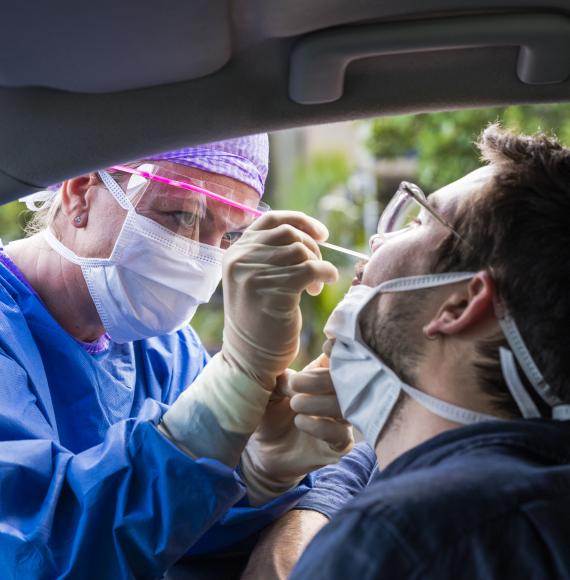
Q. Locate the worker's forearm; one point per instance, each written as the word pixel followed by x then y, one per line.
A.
pixel 217 414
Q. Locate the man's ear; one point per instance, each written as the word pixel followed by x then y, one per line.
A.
pixel 464 308
pixel 74 201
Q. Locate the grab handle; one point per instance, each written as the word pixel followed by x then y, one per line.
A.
pixel 319 61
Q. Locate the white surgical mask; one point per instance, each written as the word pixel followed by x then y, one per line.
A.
pixel 154 280
pixel 367 389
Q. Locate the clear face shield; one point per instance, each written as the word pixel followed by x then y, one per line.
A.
pixel 197 210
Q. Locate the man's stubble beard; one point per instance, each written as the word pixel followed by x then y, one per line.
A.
pixel 396 335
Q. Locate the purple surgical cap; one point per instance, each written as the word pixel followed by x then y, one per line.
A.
pixel 244 158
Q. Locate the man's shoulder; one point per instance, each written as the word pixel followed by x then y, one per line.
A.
pixel 462 490
pixel 467 516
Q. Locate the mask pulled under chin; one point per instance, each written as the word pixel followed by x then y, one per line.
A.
pixel 153 282
pixel 367 389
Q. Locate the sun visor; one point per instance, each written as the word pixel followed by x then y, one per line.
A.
pixel 96 47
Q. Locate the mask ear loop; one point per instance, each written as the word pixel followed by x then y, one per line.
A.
pixel 39 200
pixel 424 281
pixel 116 190
pixel 560 411
pixel 523 400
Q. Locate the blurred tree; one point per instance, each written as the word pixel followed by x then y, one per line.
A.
pixel 443 142
pixel 312 178
pixel 12 221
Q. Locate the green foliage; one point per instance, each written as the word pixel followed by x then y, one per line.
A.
pixel 314 177
pixel 12 220
pixel 443 142
pixel 209 323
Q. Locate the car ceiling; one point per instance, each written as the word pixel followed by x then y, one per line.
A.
pixel 83 86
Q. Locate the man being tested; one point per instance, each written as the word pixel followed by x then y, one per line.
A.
pixel 450 354
pixel 110 468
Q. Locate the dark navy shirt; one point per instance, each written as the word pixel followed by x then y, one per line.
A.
pixel 484 501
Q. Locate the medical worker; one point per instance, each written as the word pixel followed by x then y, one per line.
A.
pixel 110 466
pixel 450 354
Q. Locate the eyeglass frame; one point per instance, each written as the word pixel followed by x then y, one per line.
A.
pixel 421 198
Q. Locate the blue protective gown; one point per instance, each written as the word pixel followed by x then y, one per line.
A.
pixel 89 488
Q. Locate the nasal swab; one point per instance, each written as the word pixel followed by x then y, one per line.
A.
pixel 344 250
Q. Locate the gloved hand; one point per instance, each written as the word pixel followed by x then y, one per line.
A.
pixel 264 274
pixel 302 430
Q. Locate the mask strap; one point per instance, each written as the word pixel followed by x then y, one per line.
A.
pixel 425 281
pixel 70 255
pixel 39 200
pixel 523 400
pixel 403 284
pixel 560 411
pixel 524 358
pixel 115 190
pixel 446 410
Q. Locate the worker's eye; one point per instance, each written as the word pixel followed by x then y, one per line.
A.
pixel 185 219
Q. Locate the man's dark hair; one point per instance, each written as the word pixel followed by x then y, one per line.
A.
pixel 519 224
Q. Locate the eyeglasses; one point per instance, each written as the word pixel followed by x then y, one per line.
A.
pixel 203 211
pixel 402 212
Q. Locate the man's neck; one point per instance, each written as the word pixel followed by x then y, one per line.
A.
pixel 446 373
pixel 409 426
pixel 60 285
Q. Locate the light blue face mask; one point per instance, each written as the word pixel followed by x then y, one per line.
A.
pixel 367 389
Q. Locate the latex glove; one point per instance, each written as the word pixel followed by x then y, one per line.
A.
pixel 264 274
pixel 318 411
pixel 302 430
